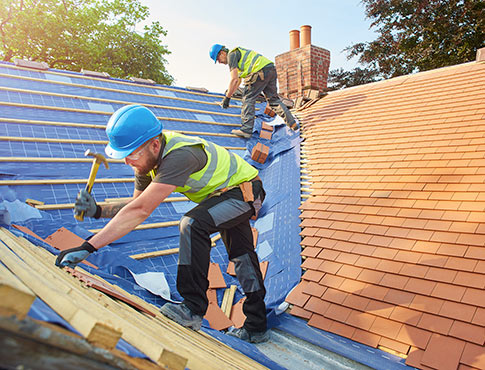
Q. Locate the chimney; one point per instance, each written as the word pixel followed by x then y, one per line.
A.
pixel 302 71
pixel 306 35
pixel 294 39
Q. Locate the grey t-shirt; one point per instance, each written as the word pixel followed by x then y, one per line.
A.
pixel 176 167
pixel 233 59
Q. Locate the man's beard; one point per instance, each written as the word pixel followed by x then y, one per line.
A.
pixel 151 163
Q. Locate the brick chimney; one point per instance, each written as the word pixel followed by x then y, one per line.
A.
pixel 304 68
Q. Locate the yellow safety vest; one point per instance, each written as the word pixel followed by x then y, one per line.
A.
pixel 223 168
pixel 250 62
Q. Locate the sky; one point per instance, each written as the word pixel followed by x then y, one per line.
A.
pixel 193 26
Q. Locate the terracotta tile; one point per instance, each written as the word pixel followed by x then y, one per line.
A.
pixel 475 252
pixel 332 281
pixel 342 329
pixel 212 295
pixel 351 286
pixel 399 297
pixel 443 353
pixel 28 231
pixel 439 274
pixel 474 356
pixel 328 254
pixel 347 258
pixel 385 327
pixel 379 308
pixel 296 296
pixel 237 315
pixel 314 289
pixel 330 267
pixel 374 291
pixel 435 323
pixel 394 345
pixel 474 296
pixel 414 336
pixel 310 252
pixel 416 271
pixel 414 359
pixel 458 311
pixel 310 241
pixel 311 263
pixel 337 312
pixel 389 266
pixel 316 305
pixel 312 275
pixel 300 312
pixel 470 279
pixel 463 264
pixel 334 296
pixel 426 304
pixel 480 267
pixel 407 256
pixel 216 280
pixel 366 338
pixel 479 317
pixel 434 260
pixel 356 302
pixel 420 286
pixel 320 322
pixel 426 247
pixel 405 315
pixel 370 276
pixel 456 250
pixel 367 262
pixel 64 239
pixel 448 292
pixel 350 272
pixel 468 332
pixel 217 318
pixel 360 320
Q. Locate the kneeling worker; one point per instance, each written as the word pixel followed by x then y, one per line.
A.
pixel 227 189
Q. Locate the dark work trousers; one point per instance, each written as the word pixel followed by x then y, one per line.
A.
pixel 267 86
pixel 229 214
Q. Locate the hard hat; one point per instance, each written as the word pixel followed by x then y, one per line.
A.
pixel 128 128
pixel 214 51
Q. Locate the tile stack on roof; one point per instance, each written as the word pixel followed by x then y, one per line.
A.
pixel 394 232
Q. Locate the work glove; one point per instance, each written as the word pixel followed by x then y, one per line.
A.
pixel 225 102
pixel 86 203
pixel 71 257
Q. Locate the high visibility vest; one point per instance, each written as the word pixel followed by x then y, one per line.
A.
pixel 223 168
pixel 250 62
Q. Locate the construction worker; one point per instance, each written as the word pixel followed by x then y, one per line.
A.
pixel 227 189
pixel 259 75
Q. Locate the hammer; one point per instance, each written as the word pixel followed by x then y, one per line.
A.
pixel 97 160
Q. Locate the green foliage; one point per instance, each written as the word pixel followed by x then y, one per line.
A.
pixel 339 79
pixel 419 35
pixel 90 34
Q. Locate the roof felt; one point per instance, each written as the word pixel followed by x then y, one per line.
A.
pixel 394 229
pixel 48 119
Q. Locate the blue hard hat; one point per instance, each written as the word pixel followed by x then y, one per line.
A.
pixel 128 128
pixel 214 51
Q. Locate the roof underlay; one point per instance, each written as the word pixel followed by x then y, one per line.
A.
pixel 394 232
pixel 48 119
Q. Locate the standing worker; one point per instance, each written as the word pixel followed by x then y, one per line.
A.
pixel 259 75
pixel 227 189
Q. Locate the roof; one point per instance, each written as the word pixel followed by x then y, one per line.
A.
pixel 48 118
pixel 394 229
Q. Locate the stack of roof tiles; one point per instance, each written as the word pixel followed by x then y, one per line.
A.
pixel 394 231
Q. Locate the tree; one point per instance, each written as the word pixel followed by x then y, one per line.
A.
pixel 338 78
pixel 419 35
pixel 95 35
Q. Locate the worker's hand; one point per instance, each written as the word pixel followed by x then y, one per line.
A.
pixel 85 203
pixel 71 257
pixel 225 102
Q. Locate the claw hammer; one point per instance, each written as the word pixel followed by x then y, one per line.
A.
pixel 97 160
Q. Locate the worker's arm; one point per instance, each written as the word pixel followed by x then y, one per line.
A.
pixel 234 83
pixel 125 220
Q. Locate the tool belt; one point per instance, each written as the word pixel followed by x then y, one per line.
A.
pixel 247 193
pixel 253 77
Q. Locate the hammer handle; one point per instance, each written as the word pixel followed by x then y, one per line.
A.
pixel 89 186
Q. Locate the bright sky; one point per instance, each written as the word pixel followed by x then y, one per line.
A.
pixel 264 26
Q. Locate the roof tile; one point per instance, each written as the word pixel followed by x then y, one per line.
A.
pixel 474 355
pixel 468 332
pixel 443 353
pixel 405 315
pixel 366 338
pixel 394 345
pixel 435 323
pixel 386 327
pixel 316 305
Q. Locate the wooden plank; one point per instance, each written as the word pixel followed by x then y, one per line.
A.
pixel 16 298
pixel 147 226
pixel 201 350
pixel 94 330
pixel 65 181
pixel 54 160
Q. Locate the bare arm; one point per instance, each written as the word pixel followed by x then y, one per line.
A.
pixel 132 214
pixel 234 83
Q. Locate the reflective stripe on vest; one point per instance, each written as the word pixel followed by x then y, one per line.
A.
pixel 223 168
pixel 250 62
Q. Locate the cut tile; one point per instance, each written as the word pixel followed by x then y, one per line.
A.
pixel 216 280
pixel 217 318
pixel 237 315
pixel 443 353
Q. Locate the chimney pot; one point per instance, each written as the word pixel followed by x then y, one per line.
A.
pixel 306 35
pixel 294 39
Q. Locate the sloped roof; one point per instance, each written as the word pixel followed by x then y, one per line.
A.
pixel 48 118
pixel 394 229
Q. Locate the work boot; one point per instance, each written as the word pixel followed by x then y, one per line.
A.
pixel 240 133
pixel 250 336
pixel 182 315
